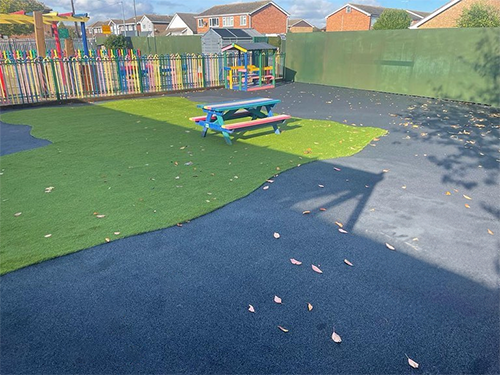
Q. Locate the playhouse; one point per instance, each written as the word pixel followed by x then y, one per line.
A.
pixel 253 66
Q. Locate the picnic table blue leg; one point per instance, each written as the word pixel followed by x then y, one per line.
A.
pixel 204 132
pixel 276 129
pixel 226 138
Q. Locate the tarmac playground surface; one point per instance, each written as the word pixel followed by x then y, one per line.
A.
pixel 176 300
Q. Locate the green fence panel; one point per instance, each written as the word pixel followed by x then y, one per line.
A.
pixel 163 45
pixel 459 64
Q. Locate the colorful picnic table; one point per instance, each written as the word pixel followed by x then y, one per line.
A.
pixel 259 110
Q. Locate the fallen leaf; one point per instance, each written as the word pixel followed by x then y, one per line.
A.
pixel 321 186
pixel 49 189
pixel 403 187
pixel 337 169
pixel 276 235
pixel 339 224
pixel 322 209
pixel 107 239
pixel 412 363
pixel 385 170
pixel 17 214
pixel 336 337
pixel 100 216
pixel 490 232
pixel 448 193
pixel 270 181
pixel 116 233
pixel 389 246
pixel 179 224
pixel 306 212
pixel 283 329
pixel 343 230
pixel 265 187
pixel 251 309
pixel 48 235
pixel 347 262
pixel 467 206
pixel 316 269
pixel 467 197
pixel 296 262
pixel 309 307
pixel 277 299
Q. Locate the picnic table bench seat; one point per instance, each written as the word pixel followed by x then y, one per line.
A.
pixel 258 122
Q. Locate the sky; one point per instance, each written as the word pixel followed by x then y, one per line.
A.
pixel 313 11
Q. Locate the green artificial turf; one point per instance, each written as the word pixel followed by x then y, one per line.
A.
pixel 143 165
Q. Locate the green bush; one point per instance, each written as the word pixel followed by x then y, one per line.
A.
pixel 479 15
pixel 392 19
pixel 117 42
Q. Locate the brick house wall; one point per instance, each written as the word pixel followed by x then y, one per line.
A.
pixel 343 21
pixel 237 24
pixel 449 17
pixel 270 20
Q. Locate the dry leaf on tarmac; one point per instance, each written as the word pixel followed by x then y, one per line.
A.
pixel 283 329
pixel 336 337
pixel 276 235
pixel 309 307
pixel 343 230
pixel 467 206
pixel 448 193
pixel 265 187
pixel 251 309
pixel 339 224
pixel 306 212
pixel 322 209
pixel 337 169
pixel 490 232
pixel 316 269
pixel 389 246
pixel 412 363
pixel 321 186
pixel 277 299
pixel 296 262
pixel 347 262
pixel 467 197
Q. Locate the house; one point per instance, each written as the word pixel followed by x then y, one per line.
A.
pixel 181 24
pixel 125 27
pixel 447 15
pixel 299 26
pixel 361 17
pixel 217 38
pixel 96 28
pixel 264 16
pixel 153 24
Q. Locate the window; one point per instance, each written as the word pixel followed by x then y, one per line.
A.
pixel 200 22
pixel 243 20
pixel 227 21
pixel 348 9
pixel 214 22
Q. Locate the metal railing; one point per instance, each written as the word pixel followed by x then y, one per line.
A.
pixel 36 80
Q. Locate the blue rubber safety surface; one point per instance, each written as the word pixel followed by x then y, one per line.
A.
pixel 15 138
pixel 176 300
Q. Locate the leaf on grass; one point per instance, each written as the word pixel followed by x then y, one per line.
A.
pixel 336 337
pixel 347 262
pixel 277 299
pixel 251 309
pixel 309 307
pixel 107 239
pixel 339 224
pixel 448 193
pixel 321 186
pixel 100 216
pixel 48 235
pixel 49 189
pixel 116 233
pixel 296 262
pixel 490 232
pixel 306 212
pixel 343 230
pixel 283 329
pixel 270 181
pixel 322 209
pixel 17 214
pixel 316 269
pixel 389 246
pixel 276 235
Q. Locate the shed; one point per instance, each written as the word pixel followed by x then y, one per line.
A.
pixel 216 38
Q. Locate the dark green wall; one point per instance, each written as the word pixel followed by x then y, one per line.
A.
pixel 459 64
pixel 164 44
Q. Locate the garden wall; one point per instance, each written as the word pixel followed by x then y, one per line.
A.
pixel 459 64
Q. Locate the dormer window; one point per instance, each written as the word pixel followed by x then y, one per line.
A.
pixel 348 9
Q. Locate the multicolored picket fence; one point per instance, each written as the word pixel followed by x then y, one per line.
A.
pixel 36 80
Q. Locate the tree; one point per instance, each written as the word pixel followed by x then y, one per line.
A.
pixel 116 42
pixel 392 19
pixel 479 15
pixel 9 6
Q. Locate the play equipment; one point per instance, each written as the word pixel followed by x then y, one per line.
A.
pixel 255 66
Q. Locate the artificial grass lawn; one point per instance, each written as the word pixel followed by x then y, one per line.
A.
pixel 143 165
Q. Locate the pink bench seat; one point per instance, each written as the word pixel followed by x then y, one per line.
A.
pixel 236 115
pixel 261 121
